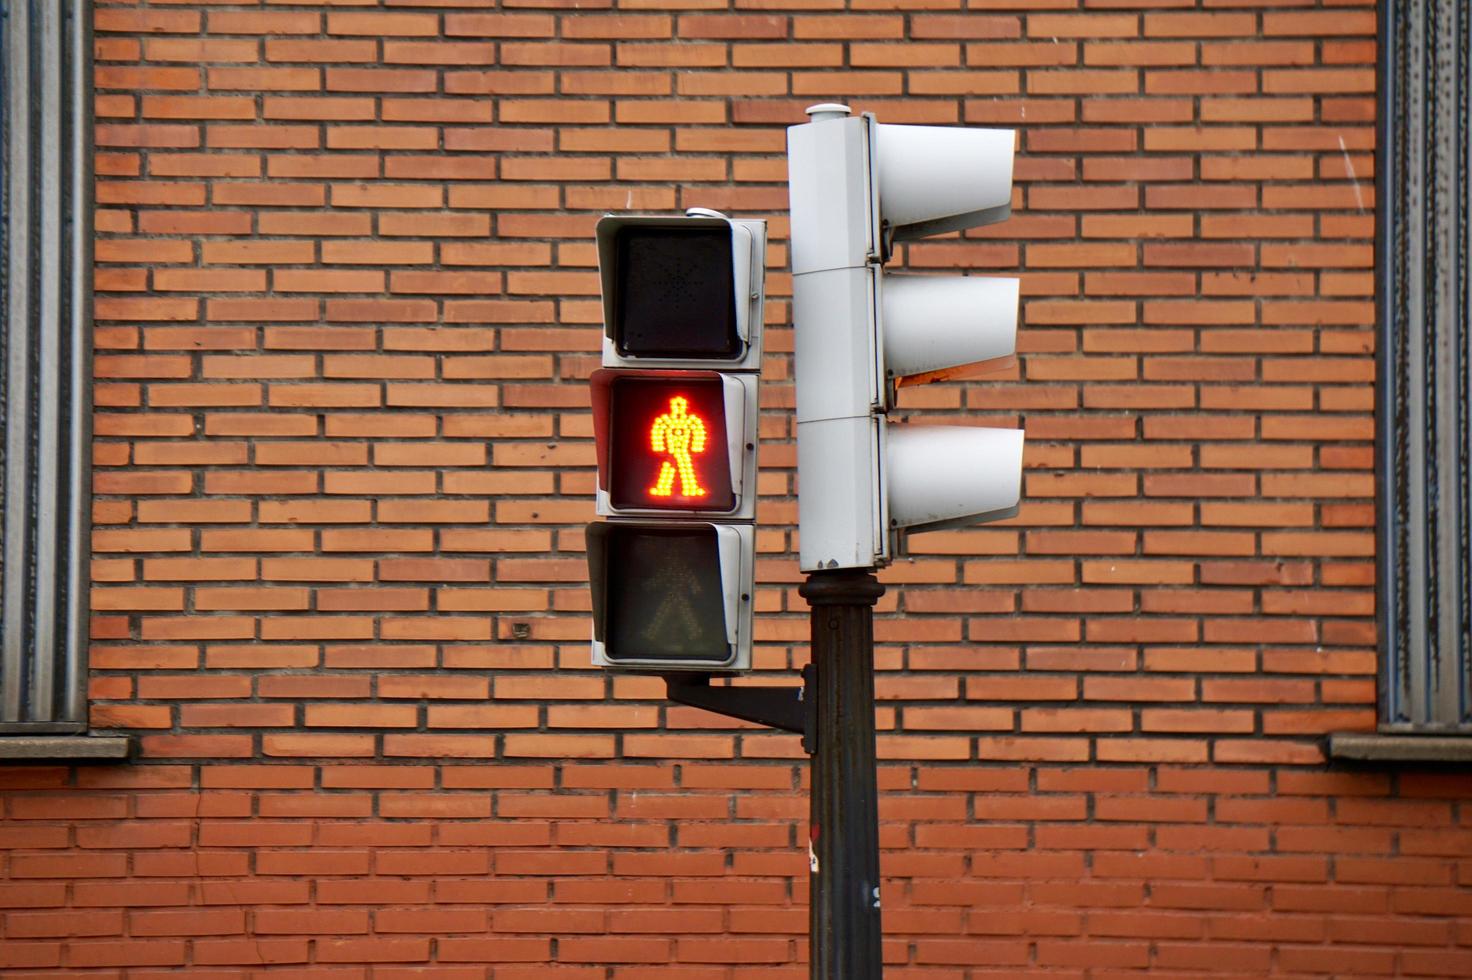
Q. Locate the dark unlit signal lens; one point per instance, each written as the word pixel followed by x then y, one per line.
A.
pixel 675 293
pixel 664 596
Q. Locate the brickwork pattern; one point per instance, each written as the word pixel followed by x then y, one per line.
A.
pixel 346 301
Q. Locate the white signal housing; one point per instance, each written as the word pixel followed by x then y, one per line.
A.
pixel 671 564
pixel 857 187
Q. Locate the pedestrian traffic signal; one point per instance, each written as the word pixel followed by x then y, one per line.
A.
pixel 675 414
pixel 858 187
pixel 675 441
pixel 672 596
pixel 682 291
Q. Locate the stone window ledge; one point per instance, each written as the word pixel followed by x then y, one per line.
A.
pixel 1386 747
pixel 64 748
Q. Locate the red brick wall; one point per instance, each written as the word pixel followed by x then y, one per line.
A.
pixel 346 303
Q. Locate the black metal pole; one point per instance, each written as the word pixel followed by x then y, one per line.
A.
pixel 844 932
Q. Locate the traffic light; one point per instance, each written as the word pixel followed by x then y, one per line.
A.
pixel 676 442
pixel 672 595
pixel 857 188
pixel 672 568
pixel 682 292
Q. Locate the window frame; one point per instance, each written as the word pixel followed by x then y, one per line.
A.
pixel 1424 361
pixel 46 233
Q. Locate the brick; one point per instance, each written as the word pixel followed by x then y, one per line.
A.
pixel 344 250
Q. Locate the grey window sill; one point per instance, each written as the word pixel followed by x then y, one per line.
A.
pixel 1377 747
pixel 64 748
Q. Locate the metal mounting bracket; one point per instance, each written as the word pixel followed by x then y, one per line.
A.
pixel 777 707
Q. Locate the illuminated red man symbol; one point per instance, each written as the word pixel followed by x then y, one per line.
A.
pixel 679 434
